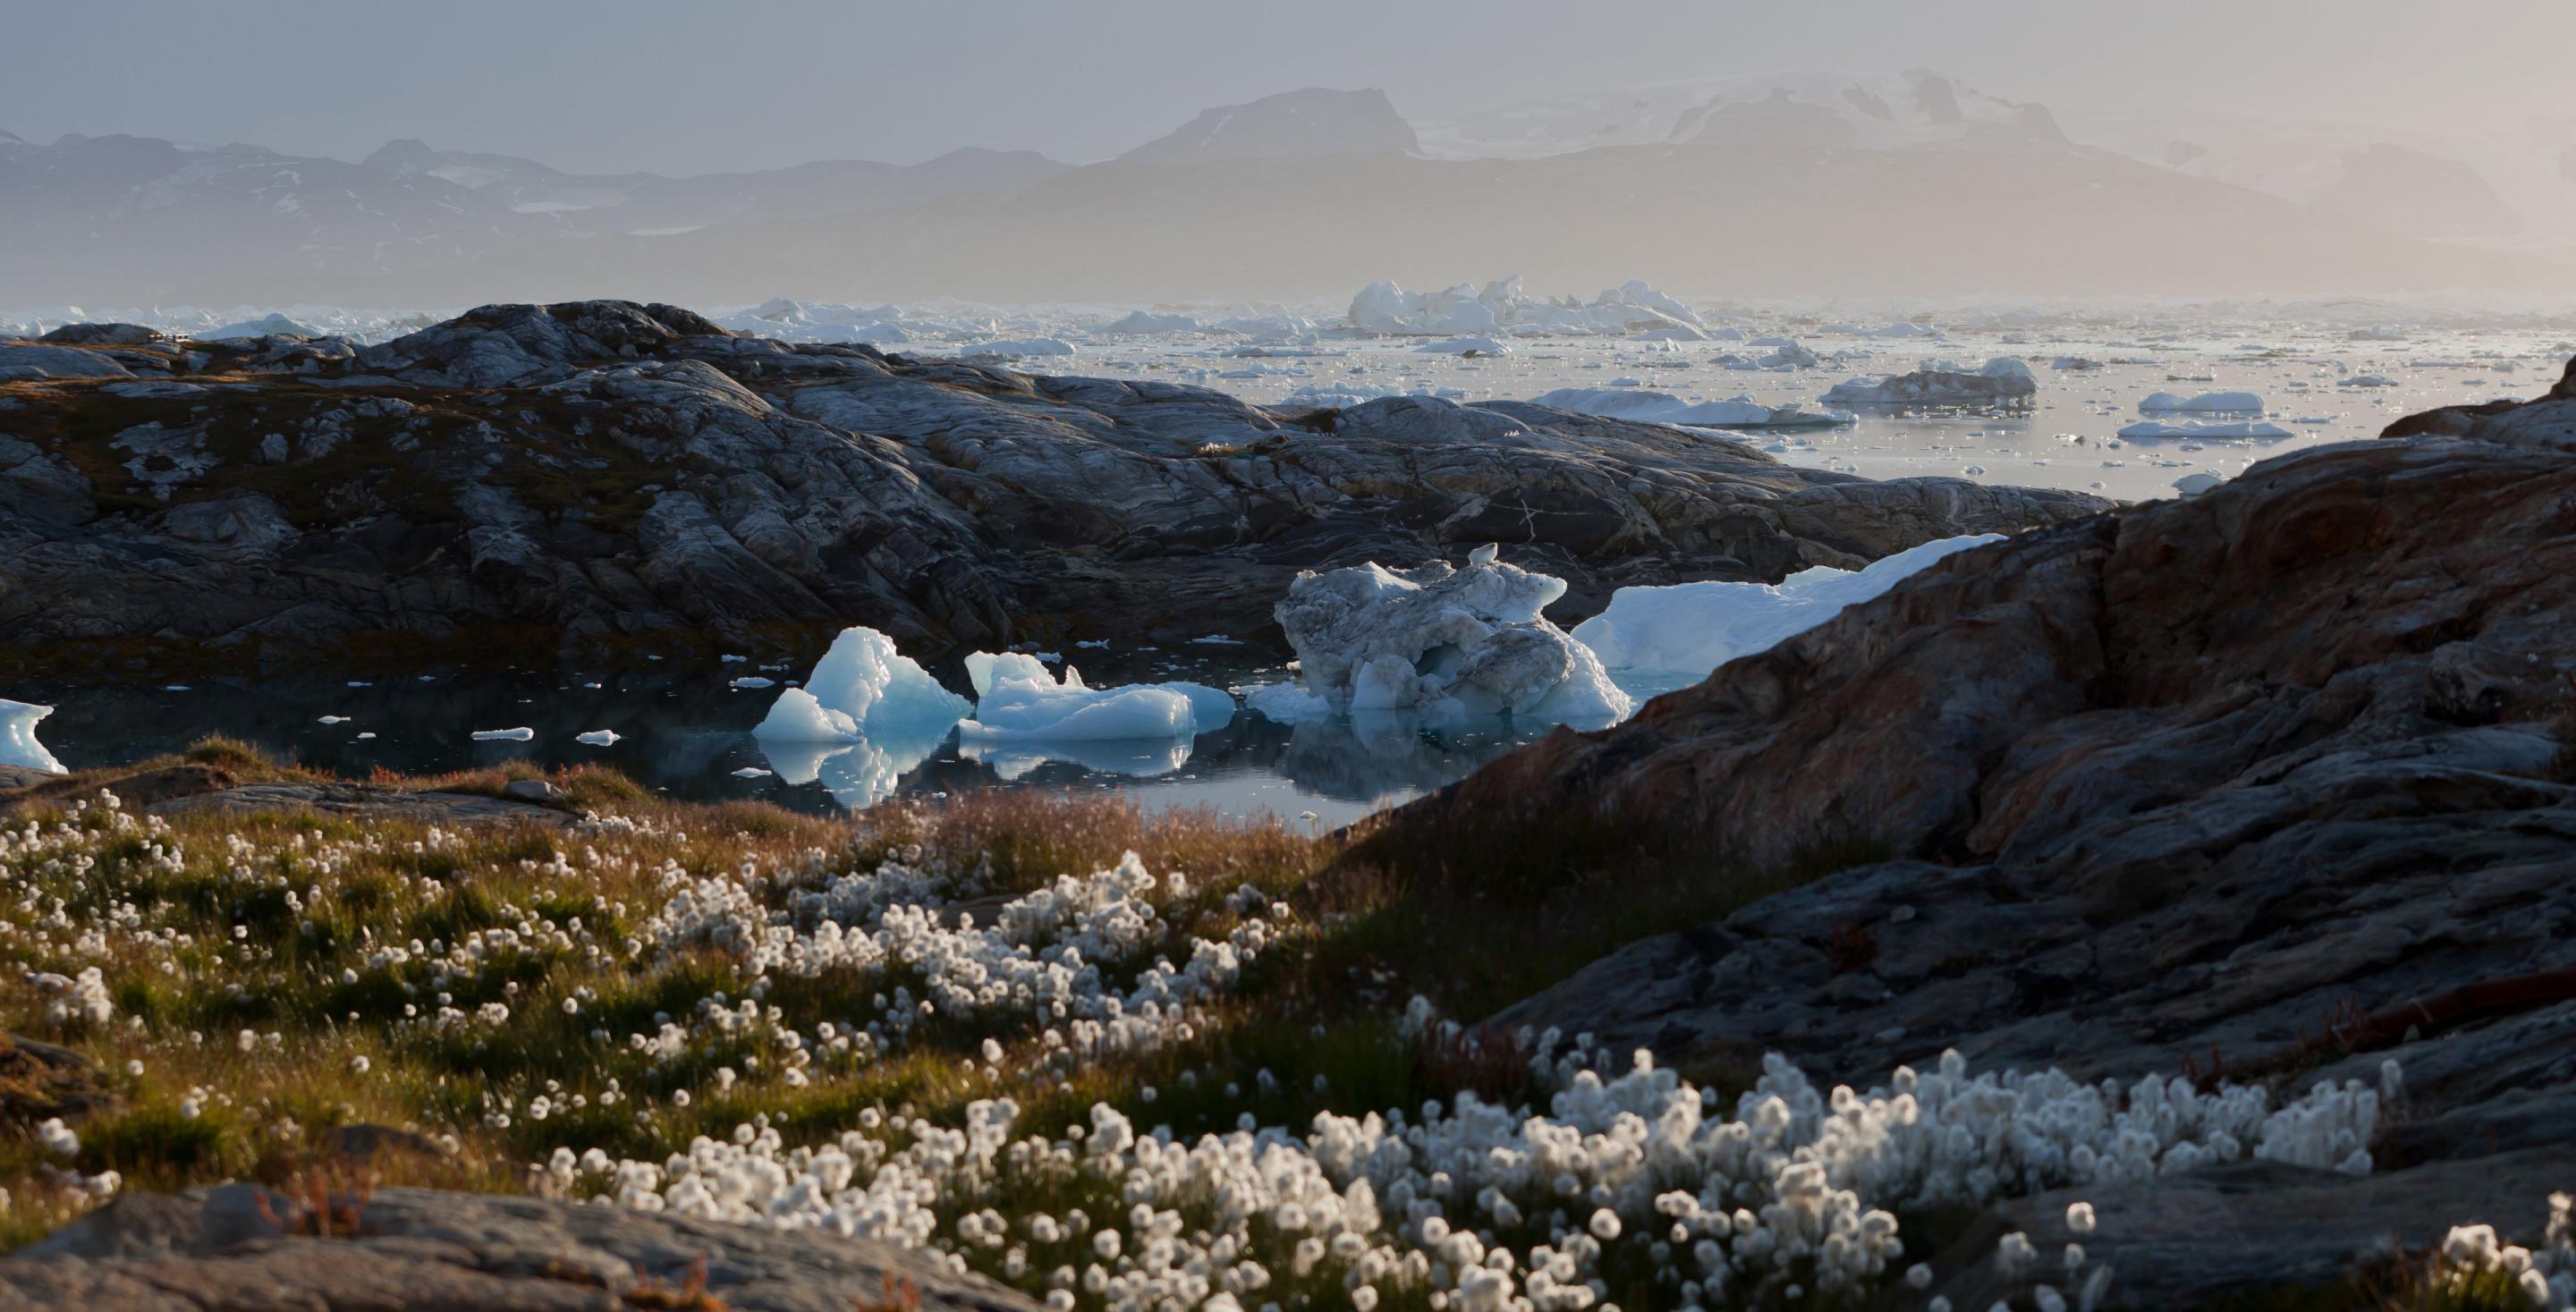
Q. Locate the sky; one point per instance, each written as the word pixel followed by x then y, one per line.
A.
pixel 683 86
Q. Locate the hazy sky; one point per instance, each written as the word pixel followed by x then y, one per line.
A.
pixel 690 86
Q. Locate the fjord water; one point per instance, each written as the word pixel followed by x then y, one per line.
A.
pixel 687 733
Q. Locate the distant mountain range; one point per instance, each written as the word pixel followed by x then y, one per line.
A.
pixel 1904 184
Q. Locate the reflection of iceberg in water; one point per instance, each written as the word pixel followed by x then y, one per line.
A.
pixel 1139 758
pixel 1370 754
pixel 859 775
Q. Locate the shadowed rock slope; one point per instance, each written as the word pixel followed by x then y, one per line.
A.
pixel 2273 782
pixel 586 476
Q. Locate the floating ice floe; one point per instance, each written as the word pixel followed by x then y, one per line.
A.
pixel 2000 379
pixel 1369 638
pixel 862 688
pixel 1018 697
pixel 2366 380
pixel 519 735
pixel 2203 404
pixel 1693 628
pixel 18 745
pixel 2191 428
pixel 1465 346
pixel 2192 485
pixel 1650 407
pixel 597 738
pixel 1021 347
pixel 866 717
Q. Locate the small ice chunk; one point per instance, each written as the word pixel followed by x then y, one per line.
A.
pixel 2205 403
pixel 334 719
pixel 751 772
pixel 1019 697
pixel 1286 703
pixel 597 738
pixel 519 735
pixel 18 745
pixel 2192 485
pixel 750 681
pixel 1693 628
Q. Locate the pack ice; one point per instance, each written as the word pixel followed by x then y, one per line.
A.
pixel 1017 696
pixel 1471 640
pixel 2191 428
pixel 2203 404
pixel 1387 309
pixel 1693 628
pixel 2002 378
pixel 1639 405
pixel 18 745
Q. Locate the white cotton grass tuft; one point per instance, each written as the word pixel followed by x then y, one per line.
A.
pixel 2545 1275
pixel 1473 1202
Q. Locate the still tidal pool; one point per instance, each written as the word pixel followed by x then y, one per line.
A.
pixel 689 735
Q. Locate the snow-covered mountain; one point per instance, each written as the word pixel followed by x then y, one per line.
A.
pixel 1817 109
pixel 649 203
pixel 1290 125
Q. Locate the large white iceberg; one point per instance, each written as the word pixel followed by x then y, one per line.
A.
pixel 862 689
pixel 1369 638
pixel 1639 405
pixel 18 745
pixel 1693 628
pixel 868 715
pixel 1017 696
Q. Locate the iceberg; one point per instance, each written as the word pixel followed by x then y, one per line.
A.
pixel 1639 405
pixel 1018 697
pixel 519 735
pixel 1471 640
pixel 2002 379
pixel 2205 403
pixel 1147 323
pixel 18 745
pixel 2191 428
pixel 1693 628
pixel 862 688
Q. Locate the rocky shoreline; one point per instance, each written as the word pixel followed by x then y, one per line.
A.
pixel 2278 782
pixel 2272 788
pixel 582 480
